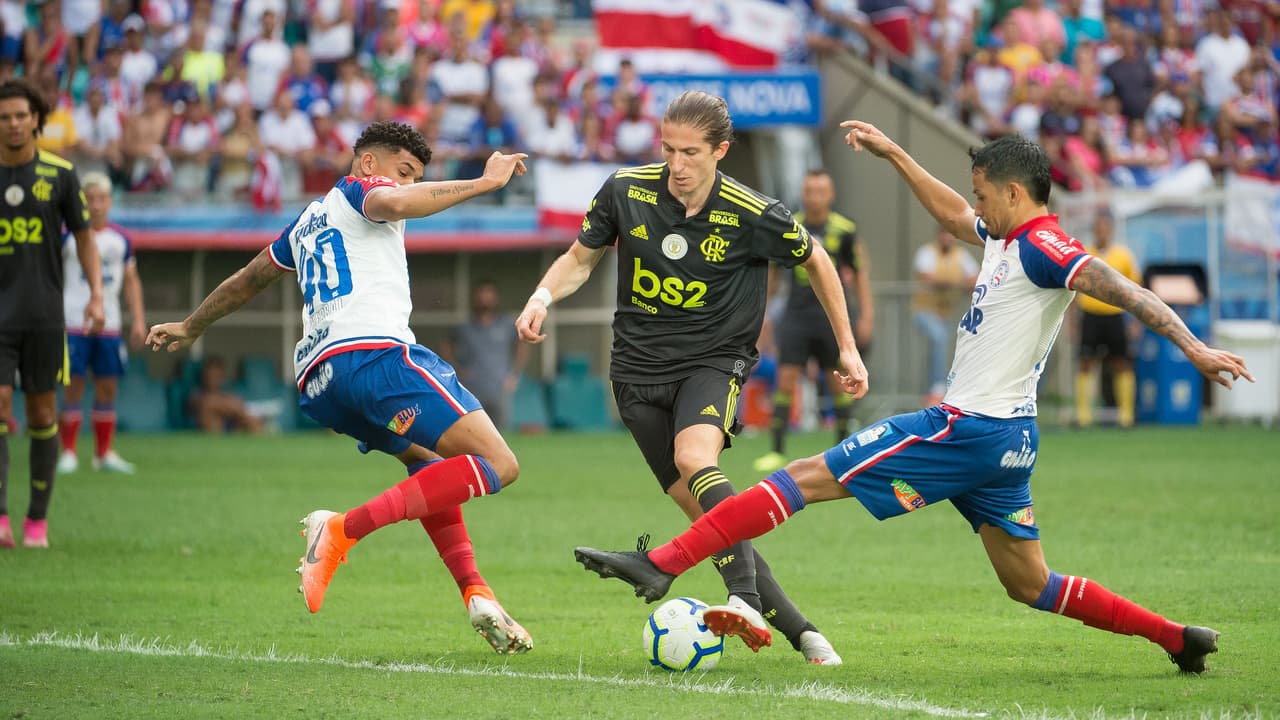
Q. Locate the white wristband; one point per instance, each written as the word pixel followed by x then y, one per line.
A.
pixel 542 295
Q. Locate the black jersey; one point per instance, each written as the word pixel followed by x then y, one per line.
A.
pixel 691 290
pixel 36 201
pixel 839 236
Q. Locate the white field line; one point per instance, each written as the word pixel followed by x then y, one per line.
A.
pixel 706 685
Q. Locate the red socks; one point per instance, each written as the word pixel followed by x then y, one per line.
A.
pixel 69 422
pixel 753 513
pixel 437 487
pixel 104 428
pixel 449 534
pixel 1096 606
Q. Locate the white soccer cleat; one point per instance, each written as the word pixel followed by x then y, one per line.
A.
pixel 68 462
pixel 497 627
pixel 738 618
pixel 112 462
pixel 817 649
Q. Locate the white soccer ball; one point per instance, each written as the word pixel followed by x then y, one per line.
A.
pixel 675 638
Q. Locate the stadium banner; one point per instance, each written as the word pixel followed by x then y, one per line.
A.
pixel 755 100
pixel 563 191
pixel 700 36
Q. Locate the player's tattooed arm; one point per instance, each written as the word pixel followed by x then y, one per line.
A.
pixel 1098 280
pixel 462 188
pixel 234 292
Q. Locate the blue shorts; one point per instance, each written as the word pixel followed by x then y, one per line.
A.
pixel 106 354
pixel 387 398
pixel 982 465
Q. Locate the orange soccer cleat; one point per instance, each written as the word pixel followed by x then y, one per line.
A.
pixel 327 545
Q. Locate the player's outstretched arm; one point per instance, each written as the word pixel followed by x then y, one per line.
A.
pixel 1099 280
pixel 830 291
pixel 225 299
pixel 427 198
pixel 563 279
pixel 946 205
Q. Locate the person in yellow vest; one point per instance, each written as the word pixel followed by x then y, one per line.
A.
pixel 945 274
pixel 804 332
pixel 1103 333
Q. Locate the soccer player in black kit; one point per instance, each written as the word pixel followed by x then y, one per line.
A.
pixel 694 247
pixel 40 195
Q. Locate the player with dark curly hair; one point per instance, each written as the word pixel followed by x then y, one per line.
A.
pixel 360 371
pixel 41 195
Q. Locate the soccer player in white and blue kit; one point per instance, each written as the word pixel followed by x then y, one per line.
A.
pixel 360 371
pixel 978 447
pixel 104 352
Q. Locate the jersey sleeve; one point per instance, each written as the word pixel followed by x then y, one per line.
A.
pixel 847 255
pixel 72 205
pixel 780 238
pixel 280 251
pixel 128 259
pixel 1051 258
pixel 356 190
pixel 600 224
pixel 981 228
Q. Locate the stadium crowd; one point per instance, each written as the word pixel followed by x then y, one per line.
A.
pixel 261 99
pixel 1133 94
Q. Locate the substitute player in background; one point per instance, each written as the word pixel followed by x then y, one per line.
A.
pixel 41 194
pixel 1103 333
pixel 978 448
pixel 694 247
pixel 360 371
pixel 104 352
pixel 803 333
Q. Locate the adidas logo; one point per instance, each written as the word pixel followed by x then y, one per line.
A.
pixel 710 410
pixel 639 231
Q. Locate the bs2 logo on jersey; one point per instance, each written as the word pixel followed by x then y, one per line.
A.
pixel 669 290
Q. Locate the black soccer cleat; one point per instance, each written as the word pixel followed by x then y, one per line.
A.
pixel 1197 642
pixel 633 568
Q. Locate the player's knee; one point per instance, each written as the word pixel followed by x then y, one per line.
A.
pixel 691 460
pixel 1023 591
pixel 504 463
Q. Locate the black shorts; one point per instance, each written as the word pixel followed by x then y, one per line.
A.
pixel 39 355
pixel 804 336
pixel 1103 336
pixel 655 414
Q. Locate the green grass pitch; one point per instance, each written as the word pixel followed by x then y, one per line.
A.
pixel 172 594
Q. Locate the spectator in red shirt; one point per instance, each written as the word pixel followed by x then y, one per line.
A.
pixel 331 155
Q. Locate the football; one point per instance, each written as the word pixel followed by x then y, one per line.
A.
pixel 675 638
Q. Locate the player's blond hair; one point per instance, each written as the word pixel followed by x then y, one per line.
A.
pixel 96 179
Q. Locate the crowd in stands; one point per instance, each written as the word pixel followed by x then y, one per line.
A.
pixel 262 99
pixel 1128 93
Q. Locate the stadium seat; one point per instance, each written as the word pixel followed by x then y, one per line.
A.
pixel 139 407
pixel 579 400
pixel 529 412
pixel 178 391
pixel 265 393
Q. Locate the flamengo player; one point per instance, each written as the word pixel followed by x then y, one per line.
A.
pixel 977 449
pixel 104 352
pixel 360 371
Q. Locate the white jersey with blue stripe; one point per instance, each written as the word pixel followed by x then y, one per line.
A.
pixel 1013 318
pixel 352 272
pixel 116 252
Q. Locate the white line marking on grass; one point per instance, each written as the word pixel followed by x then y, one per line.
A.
pixel 816 691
